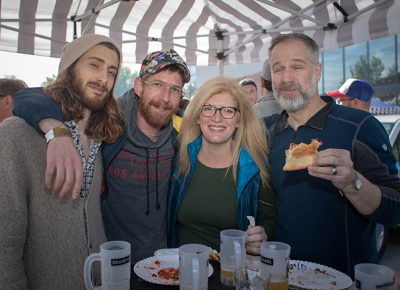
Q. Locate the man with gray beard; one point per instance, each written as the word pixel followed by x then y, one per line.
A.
pixel 327 213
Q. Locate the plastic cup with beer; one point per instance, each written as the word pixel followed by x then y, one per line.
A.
pixel 275 258
pixel 233 254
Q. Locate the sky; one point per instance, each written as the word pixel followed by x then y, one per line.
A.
pixel 30 68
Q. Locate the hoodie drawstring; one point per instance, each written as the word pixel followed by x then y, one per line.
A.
pixel 157 202
pixel 148 181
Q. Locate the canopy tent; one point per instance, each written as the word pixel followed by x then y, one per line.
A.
pixel 204 32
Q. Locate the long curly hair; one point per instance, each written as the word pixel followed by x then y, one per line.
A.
pixel 105 124
pixel 251 133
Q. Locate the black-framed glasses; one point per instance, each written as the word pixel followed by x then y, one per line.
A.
pixel 159 86
pixel 226 112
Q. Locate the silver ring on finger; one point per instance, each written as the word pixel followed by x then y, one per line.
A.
pixel 334 170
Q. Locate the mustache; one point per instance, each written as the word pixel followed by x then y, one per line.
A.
pixel 160 104
pixel 99 85
pixel 289 86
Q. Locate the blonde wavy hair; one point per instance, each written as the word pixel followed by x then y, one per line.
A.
pixel 249 135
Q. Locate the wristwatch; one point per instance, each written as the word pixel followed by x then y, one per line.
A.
pixel 57 132
pixel 357 181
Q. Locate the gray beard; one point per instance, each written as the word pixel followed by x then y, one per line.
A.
pixel 298 102
pixel 293 105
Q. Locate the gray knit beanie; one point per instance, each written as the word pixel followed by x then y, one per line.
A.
pixel 75 49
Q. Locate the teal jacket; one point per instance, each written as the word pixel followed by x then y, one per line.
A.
pixel 248 185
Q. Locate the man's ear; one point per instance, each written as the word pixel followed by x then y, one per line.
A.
pixel 138 86
pixel 8 102
pixel 318 71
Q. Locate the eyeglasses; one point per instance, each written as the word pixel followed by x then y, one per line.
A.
pixel 340 101
pixel 159 86
pixel 226 112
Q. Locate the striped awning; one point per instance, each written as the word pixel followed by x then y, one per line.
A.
pixel 204 32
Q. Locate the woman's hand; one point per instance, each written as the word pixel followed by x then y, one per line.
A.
pixel 255 236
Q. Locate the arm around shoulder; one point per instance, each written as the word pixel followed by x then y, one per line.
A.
pixel 33 105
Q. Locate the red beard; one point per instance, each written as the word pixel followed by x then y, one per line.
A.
pixel 151 117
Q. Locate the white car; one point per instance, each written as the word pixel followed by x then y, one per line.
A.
pixel 392 126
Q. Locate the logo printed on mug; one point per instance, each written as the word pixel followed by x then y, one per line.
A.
pixel 114 258
pixel 267 261
pixel 120 261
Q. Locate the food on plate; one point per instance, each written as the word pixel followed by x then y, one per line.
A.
pixel 300 156
pixel 169 273
pixel 308 275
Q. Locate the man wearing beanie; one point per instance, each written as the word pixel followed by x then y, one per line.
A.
pixel 137 166
pixel 44 240
pixel 267 105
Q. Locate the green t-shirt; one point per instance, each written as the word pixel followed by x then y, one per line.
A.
pixel 209 206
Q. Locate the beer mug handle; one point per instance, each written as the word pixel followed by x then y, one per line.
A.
pixel 87 270
pixel 238 254
pixel 196 274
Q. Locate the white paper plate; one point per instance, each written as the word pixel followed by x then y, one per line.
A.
pixel 308 275
pixel 148 268
pixel 166 252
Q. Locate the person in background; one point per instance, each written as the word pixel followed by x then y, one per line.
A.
pixel 222 171
pixel 267 105
pixel 354 93
pixel 250 87
pixel 8 88
pixel 183 103
pixel 328 212
pixel 358 94
pixel 44 241
pixel 138 165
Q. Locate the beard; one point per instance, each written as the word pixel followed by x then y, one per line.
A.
pixel 92 103
pixel 151 117
pixel 297 102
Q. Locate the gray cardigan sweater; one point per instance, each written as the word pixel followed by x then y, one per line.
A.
pixel 44 240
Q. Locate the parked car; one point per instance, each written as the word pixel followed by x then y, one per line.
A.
pixel 392 126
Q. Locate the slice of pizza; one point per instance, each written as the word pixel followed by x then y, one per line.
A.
pixel 300 156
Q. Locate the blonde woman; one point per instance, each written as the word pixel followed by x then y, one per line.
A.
pixel 221 175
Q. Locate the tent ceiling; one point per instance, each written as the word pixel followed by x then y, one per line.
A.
pixel 205 32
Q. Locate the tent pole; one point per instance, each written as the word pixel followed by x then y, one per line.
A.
pixel 220 52
pixel 95 10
